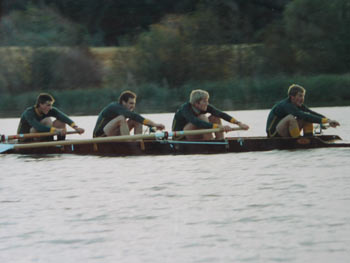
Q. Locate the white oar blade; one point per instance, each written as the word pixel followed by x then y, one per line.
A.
pixel 5 147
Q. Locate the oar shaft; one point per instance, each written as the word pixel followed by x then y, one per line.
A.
pixel 86 141
pixel 198 132
pixel 157 135
pixel 32 135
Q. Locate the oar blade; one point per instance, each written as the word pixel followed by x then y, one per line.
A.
pixel 5 147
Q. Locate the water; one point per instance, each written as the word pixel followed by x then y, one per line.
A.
pixel 276 206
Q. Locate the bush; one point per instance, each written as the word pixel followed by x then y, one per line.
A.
pixel 168 55
pixel 29 69
pixel 15 75
pixel 70 68
pixel 36 26
pixel 314 37
pixel 247 93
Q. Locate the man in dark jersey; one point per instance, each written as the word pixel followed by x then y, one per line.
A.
pixel 192 115
pixel 288 117
pixel 119 118
pixel 38 118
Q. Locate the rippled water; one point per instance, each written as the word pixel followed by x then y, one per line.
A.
pixel 276 206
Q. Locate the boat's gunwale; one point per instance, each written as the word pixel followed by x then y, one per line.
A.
pixel 168 147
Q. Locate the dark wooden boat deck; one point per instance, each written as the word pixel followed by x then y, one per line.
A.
pixel 168 147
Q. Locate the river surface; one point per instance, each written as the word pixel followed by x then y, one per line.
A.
pixel 275 206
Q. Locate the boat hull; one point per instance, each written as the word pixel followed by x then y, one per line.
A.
pixel 168 147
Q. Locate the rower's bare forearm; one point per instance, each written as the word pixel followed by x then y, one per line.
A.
pixel 159 126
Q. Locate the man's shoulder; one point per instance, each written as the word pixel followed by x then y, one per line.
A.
pixel 212 107
pixel 183 109
pixel 54 111
pixel 283 103
pixel 29 110
pixel 185 105
pixel 115 104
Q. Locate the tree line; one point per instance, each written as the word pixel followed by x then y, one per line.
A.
pixel 118 22
pixel 170 45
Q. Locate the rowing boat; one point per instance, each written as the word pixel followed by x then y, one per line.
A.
pixel 164 146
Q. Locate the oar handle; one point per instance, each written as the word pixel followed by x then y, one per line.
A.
pixel 31 135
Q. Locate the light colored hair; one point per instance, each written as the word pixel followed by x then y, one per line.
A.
pixel 197 95
pixel 294 89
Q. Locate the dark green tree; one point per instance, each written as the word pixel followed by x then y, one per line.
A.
pixel 64 68
pixel 112 22
pixel 116 22
pixel 319 34
pixel 35 26
pixel 312 37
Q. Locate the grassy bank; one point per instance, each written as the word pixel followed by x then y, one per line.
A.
pixel 250 93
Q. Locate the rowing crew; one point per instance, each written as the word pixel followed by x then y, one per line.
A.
pixel 286 119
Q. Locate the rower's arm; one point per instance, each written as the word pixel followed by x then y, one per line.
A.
pixel 33 122
pixel 59 115
pixel 137 117
pixel 148 122
pixel 191 118
pixel 218 113
pixel 305 115
pixel 226 117
pixel 129 114
pixel 64 118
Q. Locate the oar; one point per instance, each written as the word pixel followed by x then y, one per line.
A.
pixel 31 135
pixel 198 132
pixel 157 135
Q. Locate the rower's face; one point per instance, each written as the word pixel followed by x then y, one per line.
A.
pixel 130 104
pixel 202 105
pixel 298 99
pixel 45 107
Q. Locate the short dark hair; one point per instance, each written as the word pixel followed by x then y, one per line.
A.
pixel 294 89
pixel 44 97
pixel 126 95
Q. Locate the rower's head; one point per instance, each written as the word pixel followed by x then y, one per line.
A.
pixel 199 99
pixel 296 93
pixel 128 99
pixel 44 102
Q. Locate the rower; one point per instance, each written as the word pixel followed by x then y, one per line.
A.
pixel 38 118
pixel 119 118
pixel 290 116
pixel 192 116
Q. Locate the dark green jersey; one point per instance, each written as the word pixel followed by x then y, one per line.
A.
pixel 31 118
pixel 286 107
pixel 112 111
pixel 186 114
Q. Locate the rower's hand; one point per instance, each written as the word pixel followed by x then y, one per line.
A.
pixel 243 126
pixel 159 126
pixel 322 127
pixel 61 131
pixel 79 130
pixel 333 123
pixel 226 128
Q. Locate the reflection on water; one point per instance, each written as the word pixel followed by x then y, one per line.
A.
pixel 38 157
pixel 285 206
